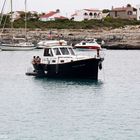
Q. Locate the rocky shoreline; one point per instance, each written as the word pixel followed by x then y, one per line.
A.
pixel 122 38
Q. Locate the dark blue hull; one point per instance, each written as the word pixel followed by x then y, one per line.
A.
pixel 87 68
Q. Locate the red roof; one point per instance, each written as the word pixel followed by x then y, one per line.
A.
pixel 51 13
pixel 61 17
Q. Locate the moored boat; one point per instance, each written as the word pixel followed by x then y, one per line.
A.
pixel 25 46
pixel 62 61
pixel 46 43
pixel 17 48
pixel 88 44
pixel 17 44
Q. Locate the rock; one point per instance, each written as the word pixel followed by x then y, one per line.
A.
pixel 122 38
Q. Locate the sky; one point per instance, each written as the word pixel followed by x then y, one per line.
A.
pixel 68 7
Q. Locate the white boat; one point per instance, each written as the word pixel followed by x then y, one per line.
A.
pixel 46 43
pixel 21 45
pixel 88 44
pixel 25 46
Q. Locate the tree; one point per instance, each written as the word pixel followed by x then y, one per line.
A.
pixel 105 10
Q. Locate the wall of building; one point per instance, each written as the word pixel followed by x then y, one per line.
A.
pixel 80 15
pixel 127 12
pixel 118 14
pixel 138 12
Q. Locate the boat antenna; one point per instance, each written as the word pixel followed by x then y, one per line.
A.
pixel 1 19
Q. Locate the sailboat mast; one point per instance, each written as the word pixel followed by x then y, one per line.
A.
pixel 2 10
pixel 26 20
pixel 12 18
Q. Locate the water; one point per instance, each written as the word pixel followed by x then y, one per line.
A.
pixel 60 109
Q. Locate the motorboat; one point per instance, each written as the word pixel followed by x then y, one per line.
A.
pixel 88 44
pixel 46 43
pixel 63 62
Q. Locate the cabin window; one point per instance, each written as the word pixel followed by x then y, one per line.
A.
pixel 62 61
pixel 48 52
pixel 83 43
pixel 64 51
pixel 71 51
pixel 56 51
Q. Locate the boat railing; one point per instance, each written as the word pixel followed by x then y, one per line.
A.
pixel 55 60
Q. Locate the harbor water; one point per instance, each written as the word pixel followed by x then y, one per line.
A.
pixel 70 109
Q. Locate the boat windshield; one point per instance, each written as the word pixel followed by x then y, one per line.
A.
pixel 56 51
pixel 71 51
pixel 64 51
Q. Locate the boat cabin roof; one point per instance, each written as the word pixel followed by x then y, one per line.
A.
pixel 59 51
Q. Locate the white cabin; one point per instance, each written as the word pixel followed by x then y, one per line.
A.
pixel 61 54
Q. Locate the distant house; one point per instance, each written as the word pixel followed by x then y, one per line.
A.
pixel 127 12
pixel 52 16
pixel 17 15
pixel 86 14
pixel 20 14
pixel 138 12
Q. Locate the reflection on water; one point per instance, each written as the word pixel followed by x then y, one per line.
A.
pixel 69 86
pixel 71 81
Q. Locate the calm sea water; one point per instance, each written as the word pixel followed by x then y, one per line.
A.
pixel 59 109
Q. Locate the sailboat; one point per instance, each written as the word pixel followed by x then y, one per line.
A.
pixel 20 46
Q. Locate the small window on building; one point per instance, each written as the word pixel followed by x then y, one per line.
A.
pixel 90 14
pixel 116 14
pixel 95 15
pixel 129 13
pixel 85 14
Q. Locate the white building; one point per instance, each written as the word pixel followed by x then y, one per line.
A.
pixel 17 15
pixel 86 14
pixel 138 12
